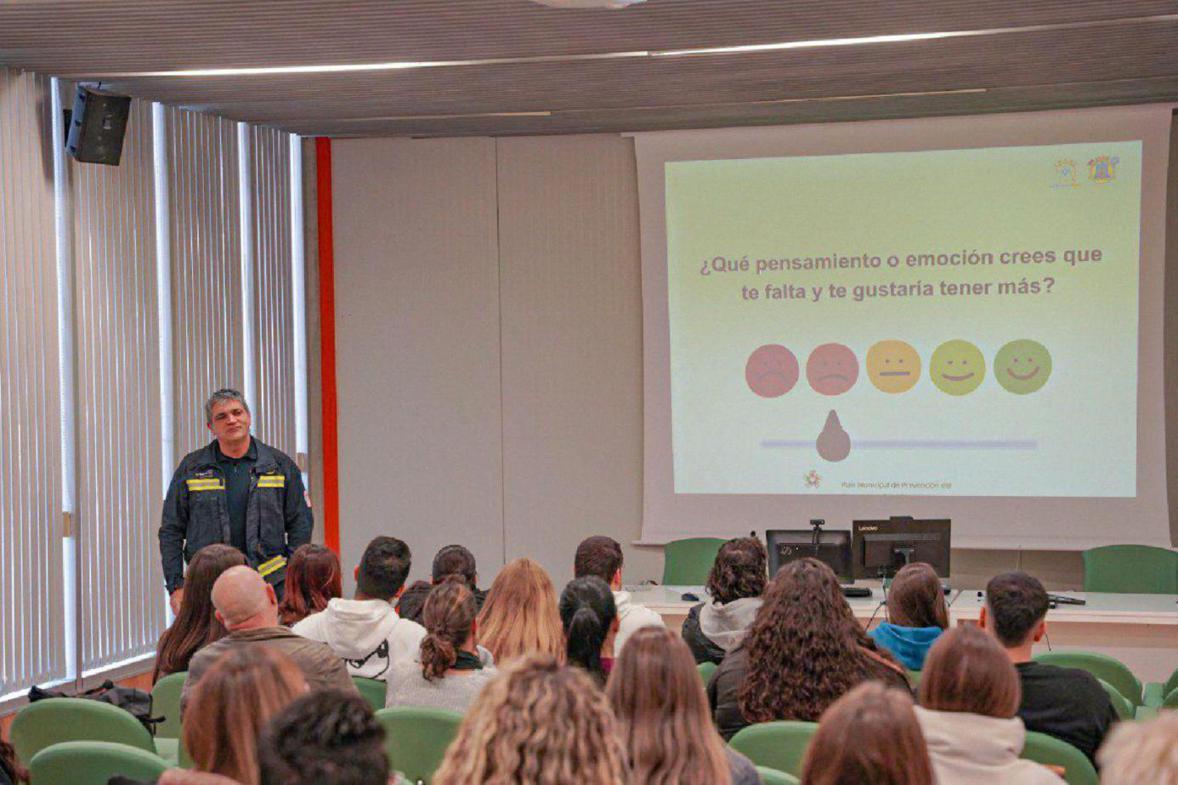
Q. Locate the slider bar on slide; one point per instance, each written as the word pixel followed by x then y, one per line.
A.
pixel 911 444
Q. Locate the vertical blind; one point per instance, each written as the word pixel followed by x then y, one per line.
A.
pixel 32 611
pixel 272 308
pixel 118 406
pixel 207 343
pixel 99 246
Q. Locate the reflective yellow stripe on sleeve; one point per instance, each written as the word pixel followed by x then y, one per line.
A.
pixel 273 565
pixel 205 485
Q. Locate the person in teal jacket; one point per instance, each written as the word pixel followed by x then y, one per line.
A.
pixel 917 615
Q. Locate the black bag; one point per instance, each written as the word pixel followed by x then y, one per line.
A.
pixel 135 702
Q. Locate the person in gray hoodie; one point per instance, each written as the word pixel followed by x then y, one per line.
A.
pixel 451 669
pixel 366 632
pixel 736 583
pixel 969 698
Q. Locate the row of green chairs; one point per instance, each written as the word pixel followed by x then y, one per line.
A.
pixel 1123 569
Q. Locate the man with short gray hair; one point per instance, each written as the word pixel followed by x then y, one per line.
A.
pixel 237 491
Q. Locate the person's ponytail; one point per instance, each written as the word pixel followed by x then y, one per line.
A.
pixel 448 616
pixel 587 612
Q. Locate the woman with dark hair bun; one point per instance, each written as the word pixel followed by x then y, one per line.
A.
pixel 195 625
pixel 735 584
pixel 917 615
pixel 590 621
pixel 453 668
pixel 803 652
pixel 312 580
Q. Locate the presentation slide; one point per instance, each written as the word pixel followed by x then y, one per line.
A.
pixel 938 323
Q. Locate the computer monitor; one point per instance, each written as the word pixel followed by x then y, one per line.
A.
pixel 880 548
pixel 833 549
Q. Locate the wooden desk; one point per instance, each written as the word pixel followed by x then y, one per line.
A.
pixel 1140 630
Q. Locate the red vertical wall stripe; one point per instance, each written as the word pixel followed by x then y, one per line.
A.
pixel 327 345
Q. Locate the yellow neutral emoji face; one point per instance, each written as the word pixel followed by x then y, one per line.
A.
pixel 893 366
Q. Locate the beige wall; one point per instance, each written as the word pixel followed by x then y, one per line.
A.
pixel 489 352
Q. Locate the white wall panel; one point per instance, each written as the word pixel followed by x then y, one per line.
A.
pixel 417 320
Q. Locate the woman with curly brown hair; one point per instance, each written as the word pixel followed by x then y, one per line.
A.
pixel 537 723
pixel 663 715
pixel 195 625
pixel 11 771
pixel 313 579
pixel 869 736
pixel 735 584
pixel 520 614
pixel 803 652
pixel 917 615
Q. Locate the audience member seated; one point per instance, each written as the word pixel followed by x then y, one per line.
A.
pixel 248 608
pixel 735 585
pixel 11 772
pixel 450 560
pixel 195 625
pixel 537 722
pixel 228 710
pixel 663 716
pixel 325 738
pixel 969 696
pixel 1067 703
pixel 590 622
pixel 601 557
pixel 520 615
pixel 453 669
pixel 312 580
pixel 870 736
pixel 1141 753
pixel 803 652
pixel 917 615
pixel 366 632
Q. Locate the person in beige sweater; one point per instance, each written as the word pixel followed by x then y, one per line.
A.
pixel 969 699
pixel 248 608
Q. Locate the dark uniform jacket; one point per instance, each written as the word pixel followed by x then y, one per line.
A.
pixel 196 513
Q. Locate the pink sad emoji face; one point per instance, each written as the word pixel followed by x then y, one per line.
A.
pixel 771 371
pixel 832 369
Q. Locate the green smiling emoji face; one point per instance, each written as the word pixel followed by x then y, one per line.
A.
pixel 957 367
pixel 1022 366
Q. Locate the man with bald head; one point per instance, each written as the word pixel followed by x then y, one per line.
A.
pixel 248 607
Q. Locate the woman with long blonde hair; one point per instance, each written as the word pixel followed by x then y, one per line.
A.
pixel 537 723
pixel 231 704
pixel 662 712
pixel 520 614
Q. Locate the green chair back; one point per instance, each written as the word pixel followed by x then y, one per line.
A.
pixel 914 678
pixel 1171 701
pixel 372 690
pixel 1101 666
pixel 55 720
pixel 416 739
pixel 706 669
pixel 777 745
pixel 165 702
pixel 1049 750
pixel 1131 569
pixel 93 763
pixel 1125 709
pixel 774 777
pixel 688 562
pixel 1155 692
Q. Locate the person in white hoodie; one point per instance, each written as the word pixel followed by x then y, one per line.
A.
pixel 601 557
pixel 969 698
pixel 366 632
pixel 735 584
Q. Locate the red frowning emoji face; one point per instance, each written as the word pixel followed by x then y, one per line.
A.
pixel 771 371
pixel 832 369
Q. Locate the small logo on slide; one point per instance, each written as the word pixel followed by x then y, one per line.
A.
pixel 1103 169
pixel 1065 174
pixel 813 479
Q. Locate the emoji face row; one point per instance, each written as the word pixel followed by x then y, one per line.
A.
pixel 957 367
